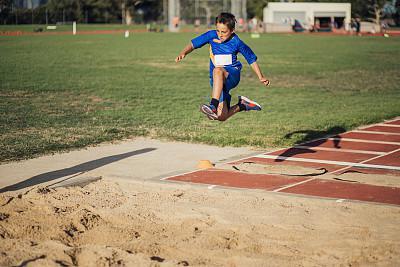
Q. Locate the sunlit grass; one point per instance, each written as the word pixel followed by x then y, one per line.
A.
pixel 62 92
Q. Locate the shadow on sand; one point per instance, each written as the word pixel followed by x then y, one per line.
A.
pixel 310 135
pixel 84 167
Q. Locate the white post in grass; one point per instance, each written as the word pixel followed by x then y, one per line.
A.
pixel 74 28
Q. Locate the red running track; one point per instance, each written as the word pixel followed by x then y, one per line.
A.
pixel 372 150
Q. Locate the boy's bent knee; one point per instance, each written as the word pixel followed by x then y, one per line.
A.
pixel 222 118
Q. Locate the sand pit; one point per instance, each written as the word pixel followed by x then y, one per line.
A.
pixel 148 223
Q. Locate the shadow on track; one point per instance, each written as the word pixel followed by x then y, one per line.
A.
pixel 308 136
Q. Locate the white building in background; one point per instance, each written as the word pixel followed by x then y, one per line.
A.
pixel 281 16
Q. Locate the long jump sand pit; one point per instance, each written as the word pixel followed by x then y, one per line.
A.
pixel 120 223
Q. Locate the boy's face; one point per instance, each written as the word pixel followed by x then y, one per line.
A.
pixel 223 32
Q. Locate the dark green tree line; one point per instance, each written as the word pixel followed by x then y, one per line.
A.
pixel 83 11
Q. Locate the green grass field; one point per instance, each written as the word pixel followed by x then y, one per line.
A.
pixel 63 92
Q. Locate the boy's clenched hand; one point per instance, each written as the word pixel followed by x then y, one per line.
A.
pixel 265 81
pixel 180 57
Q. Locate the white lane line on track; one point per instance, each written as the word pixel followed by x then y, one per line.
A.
pixel 332 162
pixel 379 123
pixel 293 185
pixel 363 141
pixel 394 119
pixel 180 174
pixel 341 150
pixel 388 125
pixel 364 161
pixel 374 132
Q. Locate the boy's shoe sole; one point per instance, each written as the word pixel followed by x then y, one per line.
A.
pixel 208 112
pixel 250 104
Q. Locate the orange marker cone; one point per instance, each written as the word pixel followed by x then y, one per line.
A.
pixel 204 164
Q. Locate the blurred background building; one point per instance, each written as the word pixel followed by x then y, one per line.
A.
pixel 307 16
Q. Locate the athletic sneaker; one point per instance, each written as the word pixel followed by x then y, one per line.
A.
pixel 210 111
pixel 249 104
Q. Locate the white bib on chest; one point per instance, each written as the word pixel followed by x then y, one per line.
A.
pixel 223 60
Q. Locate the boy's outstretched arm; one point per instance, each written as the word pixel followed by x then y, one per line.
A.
pixel 189 48
pixel 260 76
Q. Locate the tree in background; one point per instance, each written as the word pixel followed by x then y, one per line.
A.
pixel 396 16
pixel 375 10
pixel 255 8
pixel 89 11
pixel 101 11
pixel 63 10
pixel 390 11
pixel 5 4
pixel 146 10
pixel 5 10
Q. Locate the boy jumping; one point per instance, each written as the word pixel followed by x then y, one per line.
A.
pixel 225 68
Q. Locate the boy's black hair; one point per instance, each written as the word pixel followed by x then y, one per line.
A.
pixel 226 18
